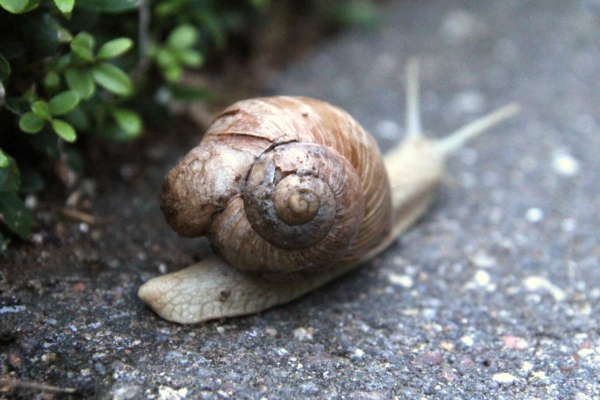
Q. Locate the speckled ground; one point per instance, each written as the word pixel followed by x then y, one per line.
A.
pixel 495 294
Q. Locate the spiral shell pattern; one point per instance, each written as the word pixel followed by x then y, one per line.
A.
pixel 310 189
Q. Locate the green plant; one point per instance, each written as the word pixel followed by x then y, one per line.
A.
pixel 84 67
pixel 71 69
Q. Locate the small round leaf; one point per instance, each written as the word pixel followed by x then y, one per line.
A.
pixel 63 102
pixel 189 57
pixel 81 81
pixel 41 109
pixel 115 48
pixel 14 6
pixel 65 6
pixel 183 36
pixel 128 121
pixel 52 81
pixel 83 46
pixel 31 123
pixel 15 215
pixel 3 160
pixel 64 130
pixel 112 79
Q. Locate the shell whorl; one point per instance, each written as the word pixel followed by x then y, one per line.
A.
pixel 309 189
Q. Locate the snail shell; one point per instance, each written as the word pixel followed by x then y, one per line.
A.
pixel 282 186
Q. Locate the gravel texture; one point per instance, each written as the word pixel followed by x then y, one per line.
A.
pixel 494 294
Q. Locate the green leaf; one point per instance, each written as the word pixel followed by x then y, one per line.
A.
pixel 112 79
pixel 64 130
pixel 81 81
pixel 79 119
pixel 83 46
pixel 63 102
pixel 172 73
pixel 128 121
pixel 108 5
pixel 115 48
pixel 189 57
pixel 52 81
pixel 9 176
pixel 31 123
pixel 3 160
pixel 41 109
pixel 183 36
pixel 167 8
pixel 14 6
pixel 65 6
pixel 4 68
pixel 15 214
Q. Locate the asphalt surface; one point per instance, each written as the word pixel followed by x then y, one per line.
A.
pixel 494 294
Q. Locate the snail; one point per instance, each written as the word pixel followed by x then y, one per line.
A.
pixel 292 192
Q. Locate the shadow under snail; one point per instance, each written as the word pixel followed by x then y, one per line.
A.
pixel 292 192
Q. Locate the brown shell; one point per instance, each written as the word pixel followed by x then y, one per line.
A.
pixel 220 184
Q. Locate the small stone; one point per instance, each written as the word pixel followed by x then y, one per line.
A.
pixel 271 331
pixel 358 353
pixel 564 164
pixel 467 341
pixel 504 377
pixel 303 334
pixel 162 268
pixel 540 375
pixel 430 358
pixel 534 215
pixel 536 283
pixel 167 393
pixel 527 366
pixel 447 346
pixel 515 342
pixel 483 260
pixel 401 280
pixel 482 278
pixel 585 352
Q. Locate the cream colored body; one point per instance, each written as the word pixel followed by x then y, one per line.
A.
pixel 213 289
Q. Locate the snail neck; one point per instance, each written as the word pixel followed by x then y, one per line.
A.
pixel 415 167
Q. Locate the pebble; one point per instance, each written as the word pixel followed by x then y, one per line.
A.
pixel 401 280
pixel 515 342
pixel 303 334
pixel 504 377
pixel 167 393
pixel 565 164
pixel 534 215
pixel 536 283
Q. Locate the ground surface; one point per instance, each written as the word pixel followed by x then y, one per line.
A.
pixel 495 294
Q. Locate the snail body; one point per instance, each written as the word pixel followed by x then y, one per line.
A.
pixel 292 192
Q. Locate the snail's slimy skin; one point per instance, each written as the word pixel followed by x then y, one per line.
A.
pixel 213 289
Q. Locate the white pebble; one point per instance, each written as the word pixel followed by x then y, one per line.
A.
pixel 467 340
pixel 564 164
pixel 358 353
pixel 482 278
pixel 402 280
pixel 535 283
pixel 504 377
pixel 568 224
pixel 162 268
pixel 303 334
pixel 534 215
